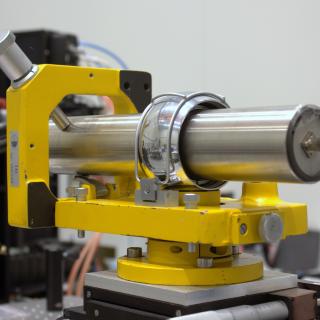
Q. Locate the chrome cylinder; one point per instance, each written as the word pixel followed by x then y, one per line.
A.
pixel 274 310
pixel 158 137
pixel 103 146
pixel 13 62
pixel 254 144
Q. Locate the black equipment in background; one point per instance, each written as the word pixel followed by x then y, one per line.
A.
pixel 22 253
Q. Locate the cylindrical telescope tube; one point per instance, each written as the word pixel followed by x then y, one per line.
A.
pixel 254 144
pixel 102 145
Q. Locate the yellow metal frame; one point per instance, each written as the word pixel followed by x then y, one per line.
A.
pixel 218 225
pixel 215 222
pixel 29 108
pixel 28 112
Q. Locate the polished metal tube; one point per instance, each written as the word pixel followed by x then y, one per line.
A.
pixel 254 144
pixel 274 310
pixel 13 62
pixel 105 146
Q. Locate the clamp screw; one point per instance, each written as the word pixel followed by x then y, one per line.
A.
pixel 81 234
pixel 236 250
pixel 191 200
pixel 81 194
pixel 78 192
pixel 192 247
pixel 204 262
pixel 134 252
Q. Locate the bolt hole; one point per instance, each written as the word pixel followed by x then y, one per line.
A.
pixel 91 75
pixel 126 85
pixel 146 87
pixel 175 249
pixel 31 146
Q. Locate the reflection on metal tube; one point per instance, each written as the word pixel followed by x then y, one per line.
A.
pixel 254 144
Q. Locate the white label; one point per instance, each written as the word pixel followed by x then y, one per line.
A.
pixel 14 158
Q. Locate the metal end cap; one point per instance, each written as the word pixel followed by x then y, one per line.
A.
pixel 7 38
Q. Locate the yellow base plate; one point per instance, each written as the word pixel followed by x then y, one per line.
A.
pixel 243 268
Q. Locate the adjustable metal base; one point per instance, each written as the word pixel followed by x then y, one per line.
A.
pixel 108 297
pixel 190 295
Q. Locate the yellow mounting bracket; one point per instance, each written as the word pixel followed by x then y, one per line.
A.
pixel 216 221
pixel 30 202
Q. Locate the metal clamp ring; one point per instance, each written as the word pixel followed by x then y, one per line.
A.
pixel 168 157
pixel 180 105
pixel 146 111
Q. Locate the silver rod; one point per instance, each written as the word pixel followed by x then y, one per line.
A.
pixel 13 62
pixel 275 310
pixel 104 145
pixel 60 119
pixel 254 144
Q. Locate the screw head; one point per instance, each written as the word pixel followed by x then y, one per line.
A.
pixel 192 247
pixel 191 200
pixel 81 234
pixel 79 193
pixel 236 250
pixel 243 228
pixel 134 252
pixel 178 313
pixel 204 262
pixel 271 227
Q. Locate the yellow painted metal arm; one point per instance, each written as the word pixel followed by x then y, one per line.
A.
pixel 218 223
pixel 29 109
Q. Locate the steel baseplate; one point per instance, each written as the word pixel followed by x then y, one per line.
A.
pixel 190 295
